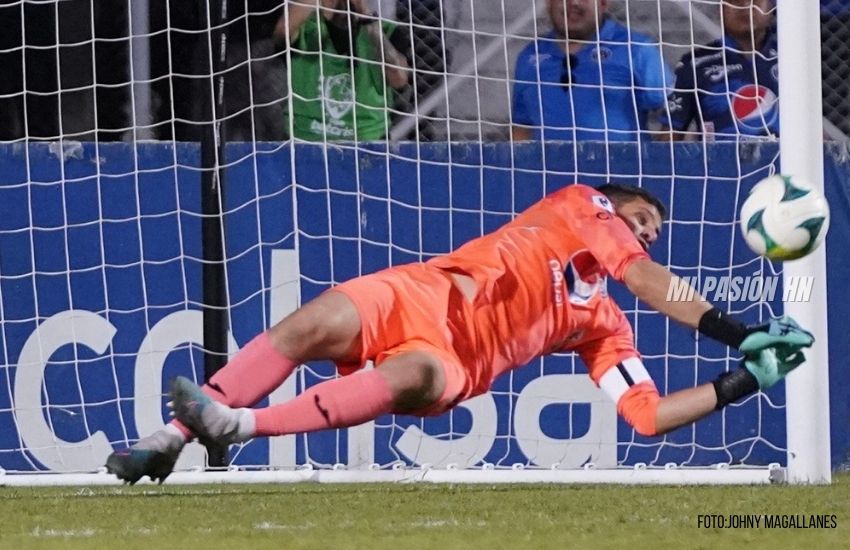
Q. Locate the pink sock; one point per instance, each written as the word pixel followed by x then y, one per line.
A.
pixel 339 403
pixel 253 373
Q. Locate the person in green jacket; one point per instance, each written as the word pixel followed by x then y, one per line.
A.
pixel 345 65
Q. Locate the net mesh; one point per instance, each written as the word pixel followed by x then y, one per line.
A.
pixel 102 287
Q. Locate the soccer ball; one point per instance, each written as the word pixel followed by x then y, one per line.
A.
pixel 784 218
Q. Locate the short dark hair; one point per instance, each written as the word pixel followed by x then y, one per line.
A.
pixel 618 192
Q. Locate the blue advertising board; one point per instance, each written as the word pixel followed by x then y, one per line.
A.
pixel 101 292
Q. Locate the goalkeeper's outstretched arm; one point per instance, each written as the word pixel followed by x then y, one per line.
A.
pixel 651 282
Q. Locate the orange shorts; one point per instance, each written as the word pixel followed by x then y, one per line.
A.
pixel 410 308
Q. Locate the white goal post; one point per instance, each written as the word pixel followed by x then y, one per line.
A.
pixel 801 150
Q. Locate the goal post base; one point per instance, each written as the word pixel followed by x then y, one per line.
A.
pixel 625 476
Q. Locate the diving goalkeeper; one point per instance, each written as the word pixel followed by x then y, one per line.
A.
pixel 441 331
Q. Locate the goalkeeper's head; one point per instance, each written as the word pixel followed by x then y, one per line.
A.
pixel 642 211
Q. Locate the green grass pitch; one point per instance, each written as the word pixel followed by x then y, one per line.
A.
pixel 413 516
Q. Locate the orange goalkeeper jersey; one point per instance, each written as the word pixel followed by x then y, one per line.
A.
pixel 541 286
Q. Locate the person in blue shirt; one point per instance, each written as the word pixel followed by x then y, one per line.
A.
pixel 729 88
pixel 590 78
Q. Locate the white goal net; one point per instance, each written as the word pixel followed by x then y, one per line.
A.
pixel 169 169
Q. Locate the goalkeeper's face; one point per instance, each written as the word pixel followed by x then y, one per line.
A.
pixel 577 19
pixel 642 218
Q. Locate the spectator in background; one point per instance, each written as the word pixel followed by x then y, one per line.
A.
pixel 429 58
pixel 729 88
pixel 343 58
pixel 590 78
pixel 254 85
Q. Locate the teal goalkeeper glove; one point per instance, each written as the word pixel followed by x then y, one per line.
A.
pixel 777 333
pixel 769 366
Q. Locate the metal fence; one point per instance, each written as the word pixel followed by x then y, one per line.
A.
pixel 67 71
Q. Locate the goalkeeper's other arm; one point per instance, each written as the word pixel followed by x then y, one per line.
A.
pixel 771 350
pixel 652 283
pixel 757 372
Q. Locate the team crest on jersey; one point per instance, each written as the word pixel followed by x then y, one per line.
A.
pixel 601 53
pixel 338 95
pixel 603 202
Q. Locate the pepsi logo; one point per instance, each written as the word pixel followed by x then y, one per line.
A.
pixel 755 107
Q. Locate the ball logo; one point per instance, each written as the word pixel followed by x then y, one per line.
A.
pixel 755 107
